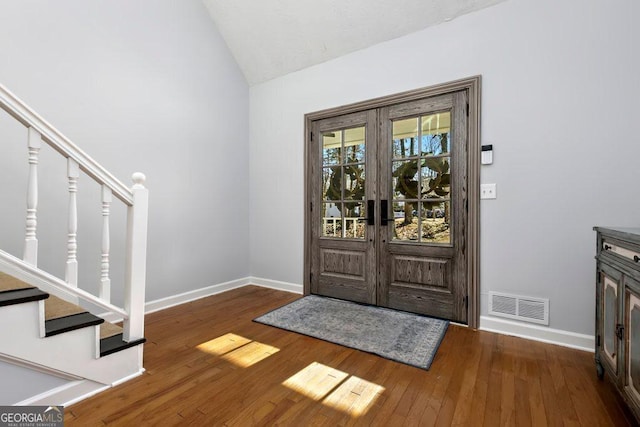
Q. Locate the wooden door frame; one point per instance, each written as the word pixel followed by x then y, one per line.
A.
pixel 472 85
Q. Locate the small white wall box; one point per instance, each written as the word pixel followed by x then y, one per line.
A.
pixel 487 154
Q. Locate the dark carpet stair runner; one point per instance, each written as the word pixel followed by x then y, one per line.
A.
pixel 62 316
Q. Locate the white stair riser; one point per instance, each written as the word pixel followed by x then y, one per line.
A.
pixel 71 352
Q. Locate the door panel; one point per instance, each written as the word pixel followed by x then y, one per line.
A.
pixel 425 272
pixel 423 172
pixel 388 199
pixel 343 248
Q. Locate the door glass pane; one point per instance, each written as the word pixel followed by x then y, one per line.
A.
pixel 354 145
pixel 331 220
pixel 405 179
pixel 405 220
pixel 405 138
pixel 434 220
pixel 331 148
pixel 435 176
pixel 343 183
pixel 332 183
pixel 354 182
pixel 354 220
pixel 436 129
pixel 422 183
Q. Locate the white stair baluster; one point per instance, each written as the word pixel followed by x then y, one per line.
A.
pixel 105 281
pixel 31 241
pixel 71 272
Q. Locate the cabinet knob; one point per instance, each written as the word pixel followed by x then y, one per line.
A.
pixel 636 258
pixel 607 247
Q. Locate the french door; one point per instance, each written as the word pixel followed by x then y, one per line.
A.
pixel 388 191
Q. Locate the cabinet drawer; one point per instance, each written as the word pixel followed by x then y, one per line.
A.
pixel 624 251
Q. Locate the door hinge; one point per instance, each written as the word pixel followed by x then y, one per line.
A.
pixel 467 109
pixel 310 277
pixel 311 136
pixel 598 277
pixel 466 301
pixel 466 205
pixel 598 341
pixel 311 206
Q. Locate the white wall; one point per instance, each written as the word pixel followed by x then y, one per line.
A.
pixel 19 383
pixel 560 105
pixel 145 85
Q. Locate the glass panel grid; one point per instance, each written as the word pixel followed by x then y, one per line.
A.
pixel 343 183
pixel 421 180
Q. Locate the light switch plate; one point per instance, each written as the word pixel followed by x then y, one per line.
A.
pixel 488 191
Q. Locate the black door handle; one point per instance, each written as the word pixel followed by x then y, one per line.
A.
pixel 371 212
pixel 384 212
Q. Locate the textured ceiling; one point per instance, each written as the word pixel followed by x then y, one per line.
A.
pixel 270 38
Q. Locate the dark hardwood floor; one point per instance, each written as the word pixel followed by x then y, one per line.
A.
pixel 209 364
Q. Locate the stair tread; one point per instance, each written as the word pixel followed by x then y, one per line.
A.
pixel 70 323
pixel 60 315
pixel 20 296
pixel 10 283
pixel 115 343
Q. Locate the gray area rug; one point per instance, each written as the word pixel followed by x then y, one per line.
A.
pixel 396 335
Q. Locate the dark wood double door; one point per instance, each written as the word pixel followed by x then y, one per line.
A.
pixel 388 206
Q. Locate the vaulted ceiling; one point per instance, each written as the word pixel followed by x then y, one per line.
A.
pixel 271 38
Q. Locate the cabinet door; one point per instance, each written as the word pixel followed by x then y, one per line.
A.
pixel 632 368
pixel 609 317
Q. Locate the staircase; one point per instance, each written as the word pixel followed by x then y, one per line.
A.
pixel 49 323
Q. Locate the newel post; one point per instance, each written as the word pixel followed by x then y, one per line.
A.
pixel 136 263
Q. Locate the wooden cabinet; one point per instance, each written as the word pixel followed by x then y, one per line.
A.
pixel 618 311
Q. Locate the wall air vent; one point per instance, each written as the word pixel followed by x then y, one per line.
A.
pixel 526 309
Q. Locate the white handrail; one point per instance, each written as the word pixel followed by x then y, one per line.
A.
pixel 26 272
pixel 52 136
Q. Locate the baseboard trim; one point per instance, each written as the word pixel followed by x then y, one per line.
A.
pixel 73 392
pixel 172 301
pixel 65 394
pixel 129 378
pixel 275 284
pixel 538 333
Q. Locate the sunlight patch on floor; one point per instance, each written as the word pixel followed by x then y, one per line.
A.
pixel 354 396
pixel 223 344
pixel 335 388
pixel 316 380
pixel 238 350
pixel 250 354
